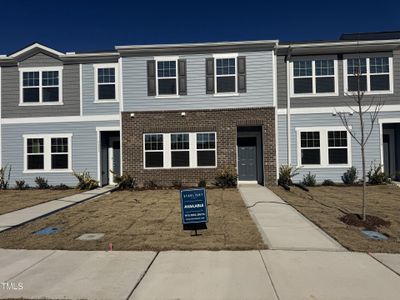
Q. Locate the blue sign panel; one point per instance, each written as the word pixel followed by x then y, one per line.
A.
pixel 194 206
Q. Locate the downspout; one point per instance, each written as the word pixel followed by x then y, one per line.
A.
pixel 288 118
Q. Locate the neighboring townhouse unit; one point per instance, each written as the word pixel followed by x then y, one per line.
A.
pixel 315 81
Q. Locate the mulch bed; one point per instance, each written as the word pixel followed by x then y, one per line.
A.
pixel 371 222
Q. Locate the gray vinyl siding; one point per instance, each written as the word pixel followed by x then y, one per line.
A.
pixel 341 99
pixel 84 149
pixel 88 95
pixel 40 60
pixel 259 72
pixel 10 96
pixel 373 154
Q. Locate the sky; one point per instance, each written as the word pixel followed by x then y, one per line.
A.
pixel 88 25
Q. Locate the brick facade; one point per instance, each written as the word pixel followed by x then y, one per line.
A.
pixel 224 122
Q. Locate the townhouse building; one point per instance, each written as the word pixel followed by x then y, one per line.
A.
pixel 182 112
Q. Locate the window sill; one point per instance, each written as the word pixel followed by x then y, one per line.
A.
pixel 314 95
pixel 369 93
pixel 180 168
pixel 48 171
pixel 226 94
pixel 106 101
pixel 323 167
pixel 167 96
pixel 41 104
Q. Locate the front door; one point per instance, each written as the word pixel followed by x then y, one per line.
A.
pixel 247 158
pixel 389 163
pixel 114 154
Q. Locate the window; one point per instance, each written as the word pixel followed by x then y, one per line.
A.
pixel 206 149
pixel 225 78
pixel 337 147
pixel 48 153
pixel 310 148
pixel 374 74
pixel 180 150
pixel 40 86
pixel 154 146
pixel 323 147
pixel 311 77
pixel 35 153
pixel 106 83
pixel 167 78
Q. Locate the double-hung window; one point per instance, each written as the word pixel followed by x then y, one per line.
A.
pixel 41 86
pixel 225 75
pixel 323 147
pixel 167 79
pixel 369 74
pixel 106 83
pixel 205 149
pixel 180 150
pixel 154 150
pixel 314 77
pixel 48 153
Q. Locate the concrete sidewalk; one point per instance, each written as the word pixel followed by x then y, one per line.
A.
pixel 281 226
pixel 268 274
pixel 24 215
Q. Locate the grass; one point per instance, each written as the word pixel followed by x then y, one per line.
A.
pixel 142 220
pixel 11 200
pixel 321 205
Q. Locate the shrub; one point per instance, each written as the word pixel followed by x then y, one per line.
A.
pixel 41 183
pixel 177 184
pixel 4 177
pixel 226 177
pixel 350 176
pixel 150 185
pixel 61 186
pixel 286 174
pixel 125 182
pixel 328 182
pixel 202 183
pixel 309 179
pixel 376 176
pixel 21 185
pixel 85 181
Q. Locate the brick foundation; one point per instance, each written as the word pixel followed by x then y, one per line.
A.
pixel 224 122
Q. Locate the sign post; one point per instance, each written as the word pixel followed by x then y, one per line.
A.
pixel 194 209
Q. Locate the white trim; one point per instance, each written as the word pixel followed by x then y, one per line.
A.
pixel 98 148
pixel 391 150
pixel 288 111
pixel 332 110
pixel 121 87
pixel 225 56
pixel 389 120
pixel 164 59
pixel 341 43
pixel 167 152
pixel 111 159
pixel 40 120
pixel 80 91
pixel 109 128
pixel 314 76
pixel 368 74
pixel 36 45
pixel 40 70
pixel 116 83
pixel 275 105
pixel 324 148
pixel 47 153
pixel 381 122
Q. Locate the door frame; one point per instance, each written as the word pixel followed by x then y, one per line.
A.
pixel 111 158
pixel 99 131
pixel 382 122
pixel 392 151
pixel 256 160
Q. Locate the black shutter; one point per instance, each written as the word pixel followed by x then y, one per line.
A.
pixel 210 76
pixel 151 77
pixel 182 76
pixel 241 65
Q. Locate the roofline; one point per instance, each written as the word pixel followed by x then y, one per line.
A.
pixel 33 46
pixel 338 43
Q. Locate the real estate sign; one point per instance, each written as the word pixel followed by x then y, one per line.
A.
pixel 194 206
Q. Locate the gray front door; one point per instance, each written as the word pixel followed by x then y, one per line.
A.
pixel 247 158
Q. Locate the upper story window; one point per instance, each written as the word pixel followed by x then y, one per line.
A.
pixel 372 75
pixel 40 86
pixel 316 77
pixel 225 75
pixel 106 83
pixel 167 80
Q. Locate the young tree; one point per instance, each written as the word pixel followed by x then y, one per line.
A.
pixel 366 111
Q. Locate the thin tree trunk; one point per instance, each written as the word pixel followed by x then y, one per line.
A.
pixel 364 195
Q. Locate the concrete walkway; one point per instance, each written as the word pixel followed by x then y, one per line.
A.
pixel 24 215
pixel 268 274
pixel 281 226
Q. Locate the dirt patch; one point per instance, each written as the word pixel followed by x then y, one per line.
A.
pixel 11 200
pixel 371 222
pixel 142 220
pixel 327 205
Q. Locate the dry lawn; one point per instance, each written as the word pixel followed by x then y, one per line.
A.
pixel 11 200
pixel 320 206
pixel 142 220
